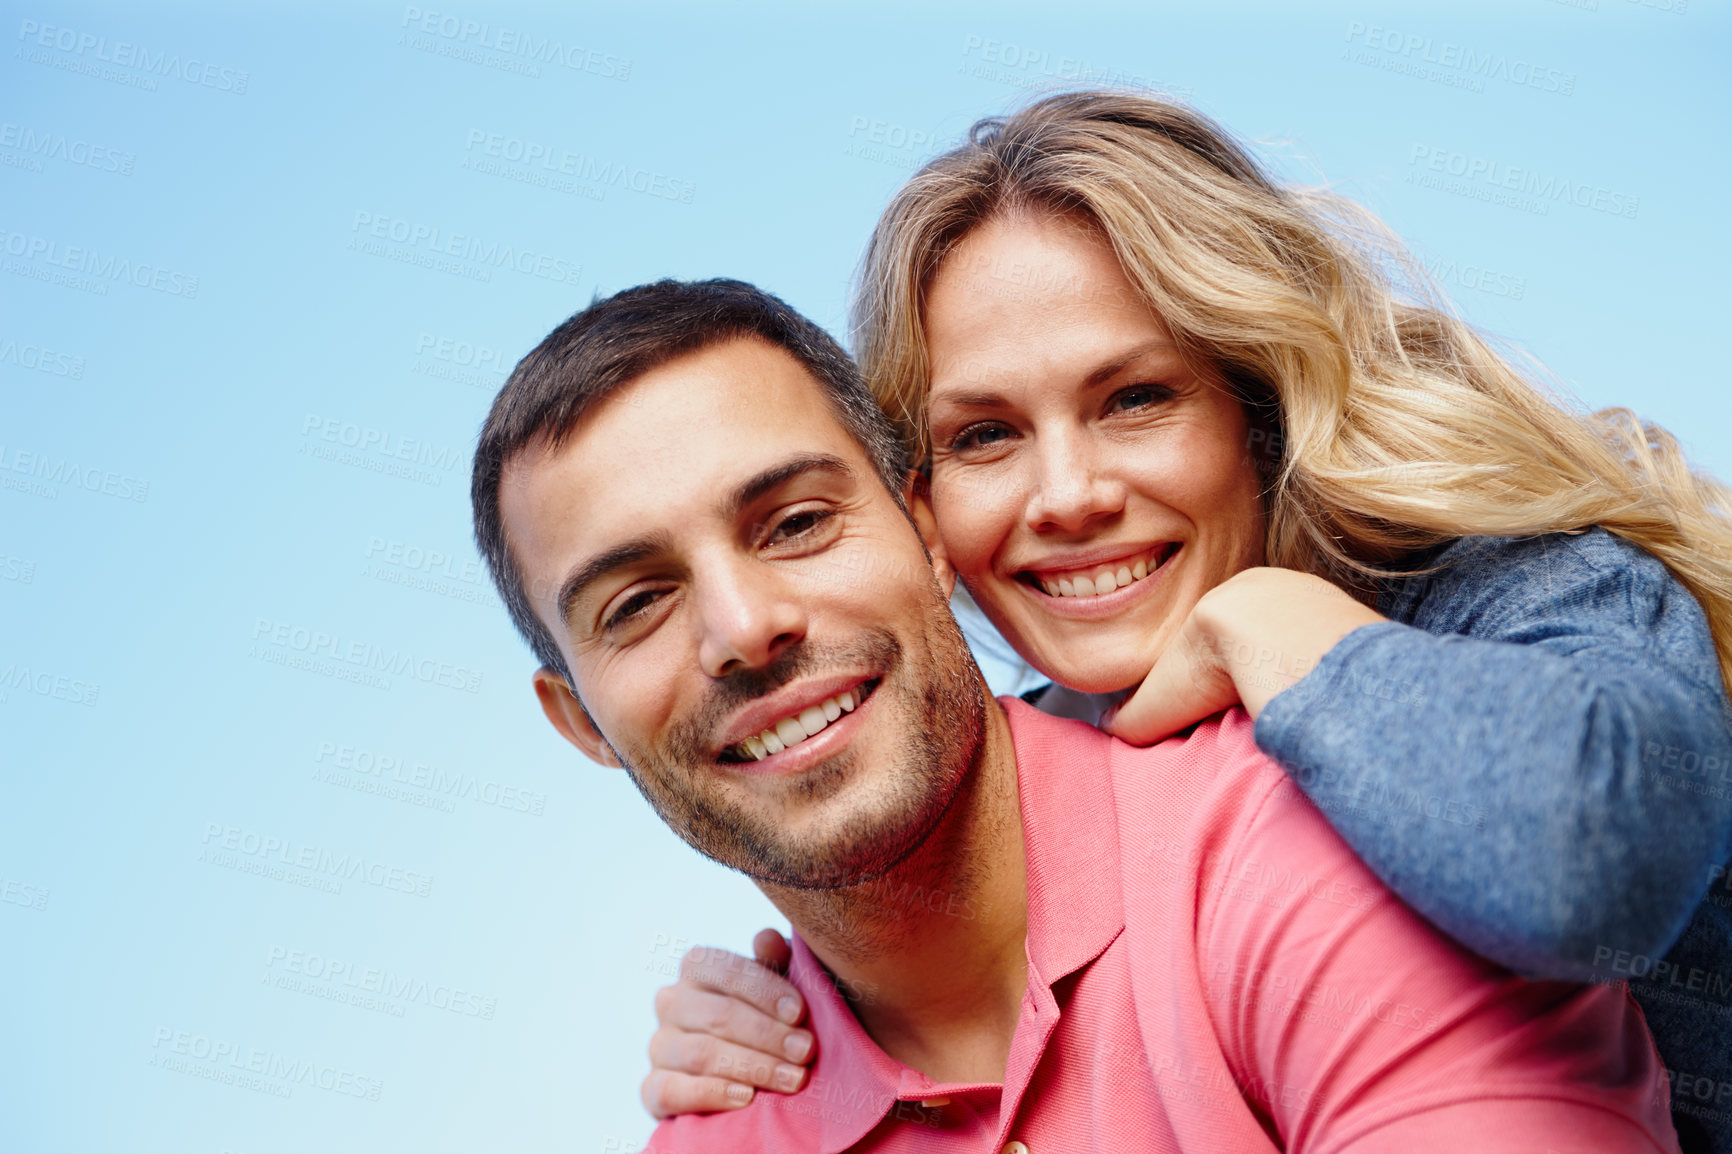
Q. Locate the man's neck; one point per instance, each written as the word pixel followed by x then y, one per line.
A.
pixel 932 956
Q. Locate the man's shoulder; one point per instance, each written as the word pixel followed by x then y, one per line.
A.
pixel 1219 752
pixel 1226 737
pixel 1203 787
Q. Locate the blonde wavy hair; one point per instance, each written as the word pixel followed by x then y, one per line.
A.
pixel 1398 425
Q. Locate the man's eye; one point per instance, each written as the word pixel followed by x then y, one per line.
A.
pixel 799 524
pixel 979 436
pixel 634 606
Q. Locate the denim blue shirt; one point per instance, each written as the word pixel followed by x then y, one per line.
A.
pixel 1535 752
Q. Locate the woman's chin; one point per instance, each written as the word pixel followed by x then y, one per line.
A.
pixel 1086 675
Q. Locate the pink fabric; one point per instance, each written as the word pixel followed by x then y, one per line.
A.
pixel 1211 969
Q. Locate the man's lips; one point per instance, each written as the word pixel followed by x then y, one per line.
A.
pixel 1097 572
pixel 791 715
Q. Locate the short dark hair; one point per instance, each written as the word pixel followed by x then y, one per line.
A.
pixel 612 343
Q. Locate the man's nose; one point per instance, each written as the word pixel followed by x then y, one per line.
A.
pixel 1072 487
pixel 746 617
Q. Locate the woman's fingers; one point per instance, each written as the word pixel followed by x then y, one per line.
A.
pixel 726 1019
pixel 725 972
pixel 728 1025
pixel 772 951
pixel 666 1093
pixel 679 1051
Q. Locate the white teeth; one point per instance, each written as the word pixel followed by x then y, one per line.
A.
pixel 809 722
pixel 1096 584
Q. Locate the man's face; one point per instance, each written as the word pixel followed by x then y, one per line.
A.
pixel 749 618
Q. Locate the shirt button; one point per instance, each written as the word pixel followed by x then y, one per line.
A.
pixel 1015 1148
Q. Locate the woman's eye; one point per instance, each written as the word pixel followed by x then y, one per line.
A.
pixel 979 436
pixel 1140 397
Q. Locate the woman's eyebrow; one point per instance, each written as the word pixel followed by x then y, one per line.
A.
pixel 971 400
pixel 1130 356
pixel 1103 372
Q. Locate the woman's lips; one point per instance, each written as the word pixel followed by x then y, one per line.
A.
pixel 1102 579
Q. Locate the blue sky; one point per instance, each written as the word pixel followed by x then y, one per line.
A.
pixel 259 895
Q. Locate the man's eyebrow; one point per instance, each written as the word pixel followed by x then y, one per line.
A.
pixel 654 544
pixel 780 474
pixel 599 566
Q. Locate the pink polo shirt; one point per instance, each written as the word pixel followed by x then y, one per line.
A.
pixel 1211 969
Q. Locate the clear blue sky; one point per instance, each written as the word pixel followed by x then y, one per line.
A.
pixel 256 298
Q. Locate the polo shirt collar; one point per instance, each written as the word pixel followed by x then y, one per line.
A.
pixel 1071 850
pixel 1070 839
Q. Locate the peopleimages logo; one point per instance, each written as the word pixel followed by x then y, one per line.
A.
pixel 41 359
pixel 82 47
pixel 56 471
pixel 553 160
pixel 313 859
pixel 1462 59
pixel 423 243
pixel 103 267
pixel 461 34
pixel 276 641
pixel 1483 178
pixel 49 146
pixel 215 1059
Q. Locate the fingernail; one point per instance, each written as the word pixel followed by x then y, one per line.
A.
pixel 739 1095
pixel 797 1046
pixel 788 1078
pixel 788 1009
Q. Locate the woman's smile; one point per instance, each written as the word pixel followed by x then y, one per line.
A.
pixel 1090 578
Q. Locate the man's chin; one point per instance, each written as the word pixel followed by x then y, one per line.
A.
pixel 850 849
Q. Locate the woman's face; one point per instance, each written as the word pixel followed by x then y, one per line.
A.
pixel 1088 486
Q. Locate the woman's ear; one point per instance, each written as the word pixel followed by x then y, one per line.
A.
pixel 568 716
pixel 917 492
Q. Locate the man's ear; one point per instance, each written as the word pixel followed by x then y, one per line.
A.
pixel 918 493
pixel 567 714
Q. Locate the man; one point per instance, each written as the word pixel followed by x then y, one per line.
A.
pixel 1011 931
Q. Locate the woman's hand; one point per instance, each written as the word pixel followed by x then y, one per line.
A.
pixel 727 1026
pixel 1246 640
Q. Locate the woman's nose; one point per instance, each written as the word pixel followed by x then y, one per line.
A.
pixel 1074 486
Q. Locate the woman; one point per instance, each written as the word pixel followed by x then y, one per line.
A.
pixel 1181 433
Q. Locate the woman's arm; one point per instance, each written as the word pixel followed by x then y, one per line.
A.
pixel 1541 764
